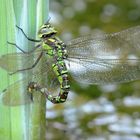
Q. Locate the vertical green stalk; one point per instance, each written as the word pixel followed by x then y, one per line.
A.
pixel 25 122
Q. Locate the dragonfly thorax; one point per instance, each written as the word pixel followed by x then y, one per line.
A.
pixel 55 48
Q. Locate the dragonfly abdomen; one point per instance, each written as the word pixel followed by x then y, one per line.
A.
pixel 61 72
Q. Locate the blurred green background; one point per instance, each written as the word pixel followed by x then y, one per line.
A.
pixel 108 112
pixel 104 112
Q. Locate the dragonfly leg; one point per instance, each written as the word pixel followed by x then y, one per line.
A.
pixel 30 39
pixel 22 49
pixel 36 62
pixel 32 86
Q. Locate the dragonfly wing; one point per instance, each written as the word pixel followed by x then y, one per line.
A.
pixel 103 71
pixel 111 58
pixel 17 94
pixel 16 61
pixel 46 77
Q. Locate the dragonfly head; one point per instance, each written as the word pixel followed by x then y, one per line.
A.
pixel 46 31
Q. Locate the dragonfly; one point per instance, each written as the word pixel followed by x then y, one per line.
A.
pixel 90 59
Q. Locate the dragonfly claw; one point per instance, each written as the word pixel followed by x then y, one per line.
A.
pixel 33 86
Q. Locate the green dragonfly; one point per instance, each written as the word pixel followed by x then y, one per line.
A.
pixel 108 58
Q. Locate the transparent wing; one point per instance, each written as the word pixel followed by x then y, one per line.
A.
pixel 16 94
pixel 110 58
pixel 15 61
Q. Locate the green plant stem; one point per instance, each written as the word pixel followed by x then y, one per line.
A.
pixel 26 122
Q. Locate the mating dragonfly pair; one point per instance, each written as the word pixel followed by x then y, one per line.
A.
pixel 109 58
